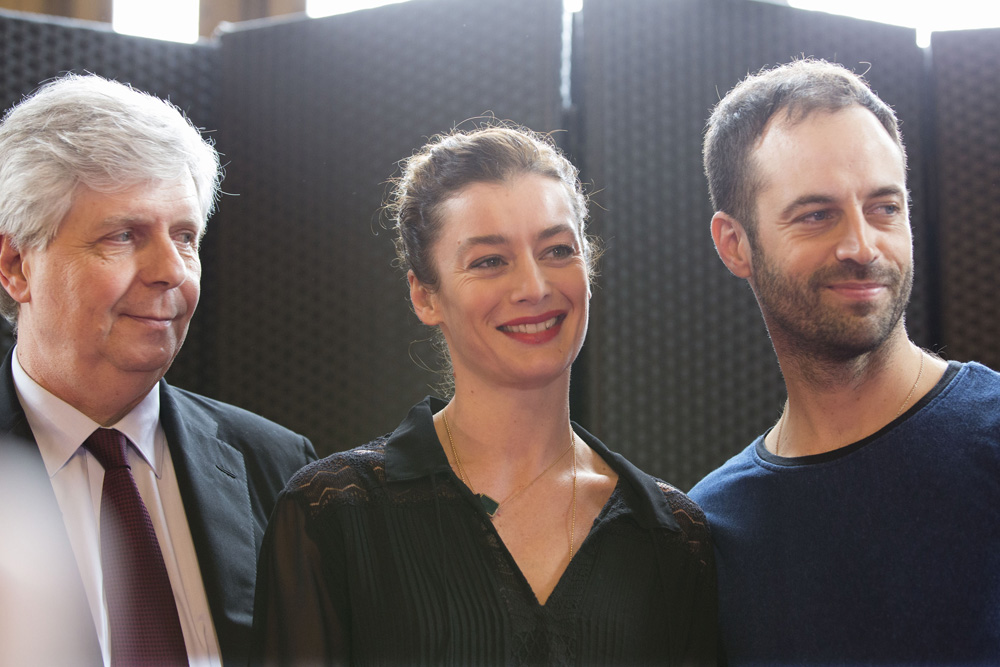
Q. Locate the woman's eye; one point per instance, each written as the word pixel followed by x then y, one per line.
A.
pixel 563 251
pixel 491 262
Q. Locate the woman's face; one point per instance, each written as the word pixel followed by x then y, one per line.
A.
pixel 513 292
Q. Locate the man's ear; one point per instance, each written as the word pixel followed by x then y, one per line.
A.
pixel 12 272
pixel 732 244
pixel 425 303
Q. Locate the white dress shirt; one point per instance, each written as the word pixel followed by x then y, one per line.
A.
pixel 78 479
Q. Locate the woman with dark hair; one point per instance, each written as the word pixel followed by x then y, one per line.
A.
pixel 488 530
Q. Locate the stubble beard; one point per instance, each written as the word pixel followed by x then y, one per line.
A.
pixel 799 319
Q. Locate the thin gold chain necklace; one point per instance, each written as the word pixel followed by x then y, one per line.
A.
pixel 920 372
pixel 491 506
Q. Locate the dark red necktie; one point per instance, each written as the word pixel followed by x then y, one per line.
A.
pixel 145 629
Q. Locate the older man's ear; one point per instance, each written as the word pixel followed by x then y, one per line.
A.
pixel 12 271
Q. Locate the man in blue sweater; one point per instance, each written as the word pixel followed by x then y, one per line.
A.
pixel 864 527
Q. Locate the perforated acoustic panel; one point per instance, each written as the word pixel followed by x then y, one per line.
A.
pixel 682 374
pixel 967 125
pixel 33 50
pixel 317 114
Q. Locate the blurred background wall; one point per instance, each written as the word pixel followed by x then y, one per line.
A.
pixel 303 317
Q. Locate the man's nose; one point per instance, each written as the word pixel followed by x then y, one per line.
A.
pixel 163 263
pixel 858 240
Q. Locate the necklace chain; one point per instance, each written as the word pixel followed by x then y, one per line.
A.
pixel 489 503
pixel 572 528
pixel 920 372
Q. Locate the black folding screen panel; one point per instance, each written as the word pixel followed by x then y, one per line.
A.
pixel 305 320
pixel 319 331
pixel 967 175
pixel 682 374
pixel 33 51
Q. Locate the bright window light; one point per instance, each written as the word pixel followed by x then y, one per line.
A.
pixel 317 8
pixel 926 17
pixel 174 20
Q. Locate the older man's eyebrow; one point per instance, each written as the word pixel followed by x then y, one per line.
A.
pixel 121 219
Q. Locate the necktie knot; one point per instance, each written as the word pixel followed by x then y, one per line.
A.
pixel 109 446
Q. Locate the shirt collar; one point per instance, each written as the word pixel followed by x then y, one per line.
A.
pixel 413 451
pixel 60 429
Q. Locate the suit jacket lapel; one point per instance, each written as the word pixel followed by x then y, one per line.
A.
pixel 214 488
pixel 12 419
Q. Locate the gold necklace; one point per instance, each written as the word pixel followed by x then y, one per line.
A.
pixel 920 372
pixel 572 528
pixel 491 506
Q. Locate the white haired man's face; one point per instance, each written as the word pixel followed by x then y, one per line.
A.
pixel 114 291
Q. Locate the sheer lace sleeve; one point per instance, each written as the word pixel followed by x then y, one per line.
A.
pixel 296 620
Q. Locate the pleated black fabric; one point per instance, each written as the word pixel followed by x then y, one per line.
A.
pixel 381 556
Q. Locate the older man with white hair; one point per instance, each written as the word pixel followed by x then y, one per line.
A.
pixel 104 197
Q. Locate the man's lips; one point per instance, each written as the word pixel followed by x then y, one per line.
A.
pixel 153 319
pixel 858 290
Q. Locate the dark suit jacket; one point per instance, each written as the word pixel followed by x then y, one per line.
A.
pixel 230 465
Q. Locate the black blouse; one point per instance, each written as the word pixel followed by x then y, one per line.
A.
pixel 381 556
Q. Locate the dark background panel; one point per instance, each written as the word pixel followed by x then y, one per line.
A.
pixel 681 372
pixel 33 51
pixel 319 334
pixel 305 320
pixel 967 132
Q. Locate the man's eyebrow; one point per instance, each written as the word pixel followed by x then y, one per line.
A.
pixel 809 200
pixel 889 191
pixel 115 220
pixel 806 200
pixel 138 219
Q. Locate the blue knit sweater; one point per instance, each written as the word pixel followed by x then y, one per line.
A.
pixel 886 551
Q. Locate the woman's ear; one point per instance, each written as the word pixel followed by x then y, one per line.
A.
pixel 732 244
pixel 424 300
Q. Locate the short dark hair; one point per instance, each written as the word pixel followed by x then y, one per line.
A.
pixel 448 163
pixel 739 120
